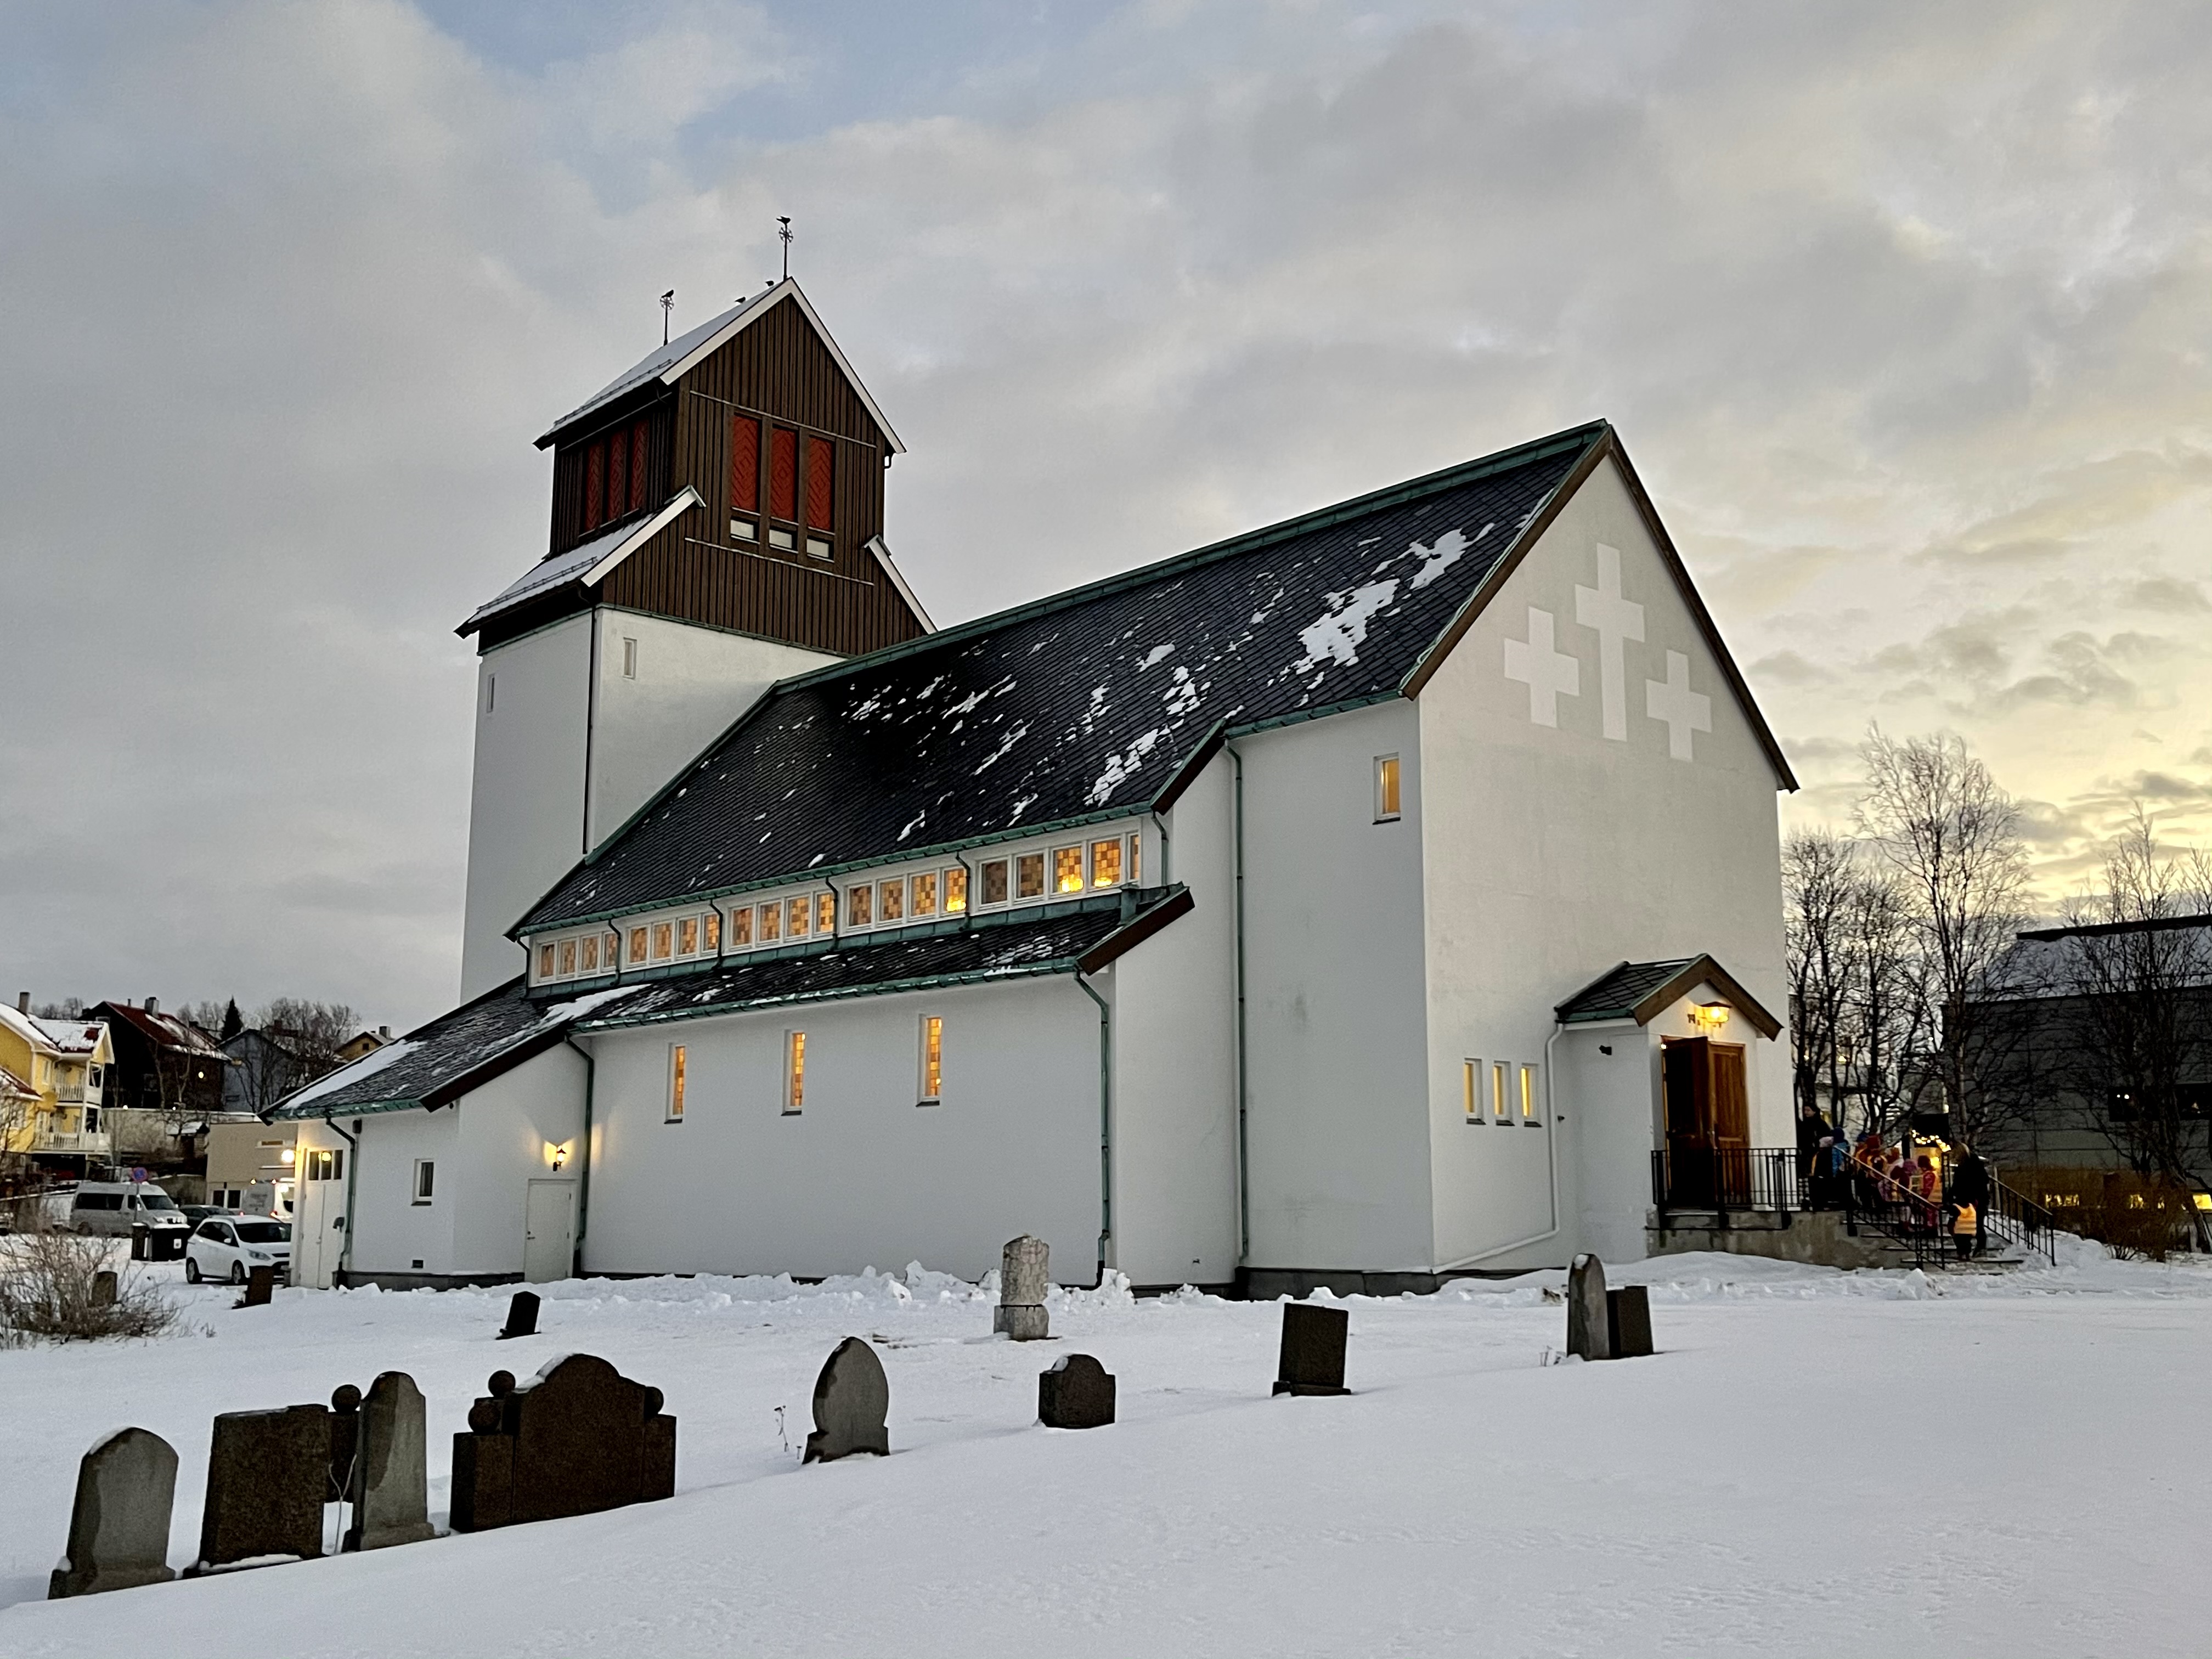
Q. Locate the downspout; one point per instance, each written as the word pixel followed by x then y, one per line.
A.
pixel 584 1175
pixel 353 1174
pixel 1552 1156
pixel 1167 852
pixel 1105 1121
pixel 591 728
pixel 1244 1151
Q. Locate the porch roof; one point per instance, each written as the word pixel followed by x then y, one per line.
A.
pixel 1642 990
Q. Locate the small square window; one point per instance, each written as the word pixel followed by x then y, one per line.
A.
pixel 797 917
pixel 932 1060
pixel 817 548
pixel 744 530
pixel 780 538
pixel 663 937
pixel 794 1073
pixel 770 928
pixel 630 659
pixel 861 906
pixel 1029 875
pixel 891 901
pixel 568 958
pixel 687 937
pixel 1386 788
pixel 921 900
pixel 741 926
pixel 1067 869
pixel 825 913
pixel 588 953
pixel 713 922
pixel 994 882
pixel 426 1179
pixel 544 961
pixel 956 891
pixel 675 1070
pixel 1106 863
pixel 636 945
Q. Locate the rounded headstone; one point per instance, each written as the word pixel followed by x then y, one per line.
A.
pixel 852 1398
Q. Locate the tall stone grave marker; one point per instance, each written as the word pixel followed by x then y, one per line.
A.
pixel 118 1535
pixel 105 1288
pixel 1589 1321
pixel 852 1400
pixel 578 1438
pixel 1312 1360
pixel 389 1490
pixel 260 1284
pixel 521 1316
pixel 268 1472
pixel 1628 1320
pixel 345 1436
pixel 1024 1275
pixel 1076 1393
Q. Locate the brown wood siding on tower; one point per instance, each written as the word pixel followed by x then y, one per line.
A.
pixel 776 370
pixel 648 470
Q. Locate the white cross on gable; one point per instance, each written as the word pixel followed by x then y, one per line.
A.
pixel 1685 711
pixel 1548 674
pixel 1615 619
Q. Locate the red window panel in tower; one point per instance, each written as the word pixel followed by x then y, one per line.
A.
pixel 744 463
pixel 595 484
pixel 618 474
pixel 783 472
pixel 637 466
pixel 821 466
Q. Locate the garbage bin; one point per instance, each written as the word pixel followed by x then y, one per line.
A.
pixel 139 1231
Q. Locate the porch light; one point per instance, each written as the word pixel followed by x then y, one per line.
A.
pixel 1709 1017
pixel 289 1156
pixel 555 1155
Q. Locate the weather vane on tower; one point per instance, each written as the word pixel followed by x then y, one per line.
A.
pixel 783 236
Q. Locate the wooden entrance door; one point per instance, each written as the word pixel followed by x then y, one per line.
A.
pixel 1708 1122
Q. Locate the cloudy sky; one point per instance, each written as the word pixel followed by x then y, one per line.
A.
pixel 1902 310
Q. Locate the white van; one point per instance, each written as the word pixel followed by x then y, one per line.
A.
pixel 110 1209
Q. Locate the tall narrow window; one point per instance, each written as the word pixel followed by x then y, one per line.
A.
pixel 568 958
pixel 933 1060
pixel 860 908
pixel 956 891
pixel 921 898
pixel 890 902
pixel 425 1180
pixel 797 917
pixel 771 924
pixel 825 913
pixel 741 926
pixel 1529 1094
pixel 595 485
pixel 1470 1089
pixel 1501 1088
pixel 745 463
pixel 1106 863
pixel 662 939
pixel 491 692
pixel 821 472
pixel 676 1067
pixel 1386 788
pixel 544 961
pixel 630 659
pixel 794 1072
pixel 712 923
pixel 1136 858
pixel 1029 875
pixel 782 472
pixel 613 952
pixel 588 950
pixel 637 435
pixel 1067 869
pixel 637 946
pixel 687 937
pixel 618 476
pixel 994 882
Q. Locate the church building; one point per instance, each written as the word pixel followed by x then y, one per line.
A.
pixel 1378 895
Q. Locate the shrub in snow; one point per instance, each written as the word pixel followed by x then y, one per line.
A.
pixel 51 1288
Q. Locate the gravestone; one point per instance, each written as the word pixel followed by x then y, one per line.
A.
pixel 345 1429
pixel 521 1315
pixel 1312 1360
pixel 1628 1320
pixel 1076 1393
pixel 1024 1275
pixel 1589 1324
pixel 260 1284
pixel 851 1398
pixel 576 1438
pixel 390 1489
pixel 104 1288
pixel 267 1475
pixel 118 1535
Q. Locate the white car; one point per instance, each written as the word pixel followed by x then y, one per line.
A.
pixel 230 1246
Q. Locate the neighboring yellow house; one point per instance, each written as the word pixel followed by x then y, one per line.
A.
pixel 49 1107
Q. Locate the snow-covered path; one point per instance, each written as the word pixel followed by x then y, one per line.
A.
pixel 1816 1463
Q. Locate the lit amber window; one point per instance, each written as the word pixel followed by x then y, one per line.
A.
pixel 663 937
pixel 994 882
pixel 797 917
pixel 771 924
pixel 1106 863
pixel 860 906
pixel 956 891
pixel 922 902
pixel 891 901
pixel 1501 1076
pixel 794 1072
pixel 741 926
pixel 1527 1094
pixel 1470 1089
pixel 636 945
pixel 1067 869
pixel 1029 875
pixel 687 937
pixel 825 913
pixel 568 957
pixel 1386 788
pixel 675 1081
pixel 590 953
pixel 713 925
pixel 933 1060
pixel 1136 858
pixel 614 950
pixel 544 961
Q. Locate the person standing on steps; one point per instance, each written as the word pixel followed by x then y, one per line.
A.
pixel 1966 1219
pixel 1969 1186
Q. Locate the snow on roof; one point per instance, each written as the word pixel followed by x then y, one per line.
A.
pixel 67 1036
pixel 587 563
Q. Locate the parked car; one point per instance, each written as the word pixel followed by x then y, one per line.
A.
pixel 196 1213
pixel 229 1246
pixel 110 1209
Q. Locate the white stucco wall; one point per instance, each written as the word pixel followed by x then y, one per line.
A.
pixel 863 1176
pixel 1336 1075
pixel 505 1128
pixel 1553 851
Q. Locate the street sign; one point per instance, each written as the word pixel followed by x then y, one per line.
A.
pixel 138 1174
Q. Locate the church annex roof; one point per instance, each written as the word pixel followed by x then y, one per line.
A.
pixel 584 565
pixel 1641 991
pixel 1086 706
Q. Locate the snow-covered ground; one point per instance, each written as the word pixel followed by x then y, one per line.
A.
pixel 1816 1463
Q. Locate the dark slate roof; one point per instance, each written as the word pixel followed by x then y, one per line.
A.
pixel 1082 706
pixel 453 1054
pixel 2066 962
pixel 1641 990
pixel 1054 939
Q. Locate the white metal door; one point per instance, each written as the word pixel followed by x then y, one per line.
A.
pixel 318 1234
pixel 549 1232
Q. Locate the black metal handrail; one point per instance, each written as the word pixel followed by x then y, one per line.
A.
pixel 2021 1221
pixel 1723 1178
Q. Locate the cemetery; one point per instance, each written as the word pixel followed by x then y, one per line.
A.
pixel 910 1462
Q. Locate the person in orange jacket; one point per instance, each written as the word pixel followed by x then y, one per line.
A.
pixel 1965 1221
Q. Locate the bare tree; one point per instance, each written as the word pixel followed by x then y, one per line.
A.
pixel 1885 1020
pixel 1819 870
pixel 66 1008
pixel 1953 837
pixel 306 1037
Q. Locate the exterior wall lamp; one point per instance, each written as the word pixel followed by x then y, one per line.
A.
pixel 289 1156
pixel 1711 1017
pixel 557 1156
